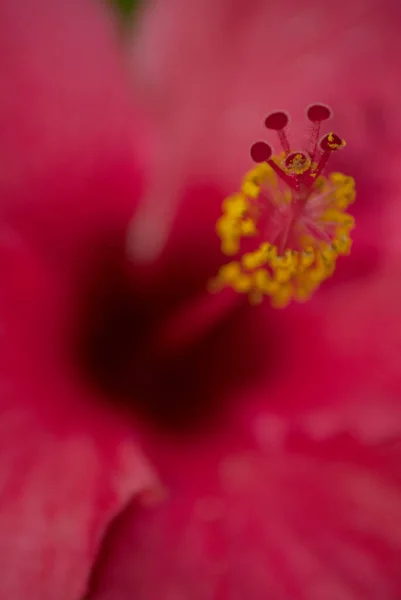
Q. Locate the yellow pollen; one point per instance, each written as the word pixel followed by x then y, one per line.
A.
pixel 298 164
pixel 333 145
pixel 295 271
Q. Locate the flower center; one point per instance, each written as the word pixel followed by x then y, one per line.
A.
pixel 297 214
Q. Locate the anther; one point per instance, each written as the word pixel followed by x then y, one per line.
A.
pixel 278 121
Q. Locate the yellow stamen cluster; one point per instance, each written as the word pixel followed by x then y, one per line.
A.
pixel 235 223
pixel 297 273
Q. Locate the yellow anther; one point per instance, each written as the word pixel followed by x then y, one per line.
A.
pixel 283 275
pixel 247 227
pixel 250 189
pixel 306 258
pixel 230 272
pixel 289 260
pixel 344 198
pixel 261 278
pixel 284 267
pixel 340 179
pixel 282 297
pixel 230 246
pixel 263 282
pixel 279 262
pixel 242 283
pixel 253 260
pixel 255 175
pixel 344 188
pixel 260 174
pixel 269 251
pixel 249 260
pixel 343 243
pixel 317 273
pixel 329 254
pixel 336 216
pixel 235 206
pixel 224 227
pixel 253 180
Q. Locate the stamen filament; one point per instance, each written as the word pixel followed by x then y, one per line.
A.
pixel 285 144
pixel 278 121
pixel 314 139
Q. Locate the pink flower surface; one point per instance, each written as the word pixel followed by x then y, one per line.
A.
pixel 159 442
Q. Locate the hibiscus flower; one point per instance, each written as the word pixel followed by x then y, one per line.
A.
pixel 159 441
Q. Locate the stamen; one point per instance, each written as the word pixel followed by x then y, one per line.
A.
pixel 329 143
pixel 298 214
pixel 278 121
pixel 317 113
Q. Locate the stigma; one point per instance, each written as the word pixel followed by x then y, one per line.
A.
pixel 286 227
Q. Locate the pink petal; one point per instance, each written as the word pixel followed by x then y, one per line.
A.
pixel 362 321
pixel 69 181
pixel 309 436
pixel 68 125
pixel 74 156
pixel 308 520
pixel 68 465
pixel 295 492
